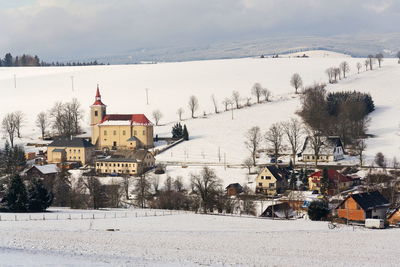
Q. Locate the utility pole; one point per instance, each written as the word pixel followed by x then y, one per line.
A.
pixel 147 96
pixel 219 154
pixel 225 161
pixel 232 110
pixel 15 81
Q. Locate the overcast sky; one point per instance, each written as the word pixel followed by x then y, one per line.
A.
pixel 73 29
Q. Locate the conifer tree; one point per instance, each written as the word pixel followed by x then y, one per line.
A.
pixel 324 182
pixel 39 199
pixel 16 198
pixel 185 133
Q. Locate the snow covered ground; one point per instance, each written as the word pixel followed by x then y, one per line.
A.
pixel 192 240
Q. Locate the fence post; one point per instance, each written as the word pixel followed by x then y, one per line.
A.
pixel 93 216
pixel 136 214
pixel 57 217
pixel 30 217
pixel 44 218
pixel 81 216
pixel 105 215
pixel 115 215
pixel 126 215
pixel 0 217
pixel 145 214
pixel 69 217
pixel 155 213
pixel 15 217
pixel 163 213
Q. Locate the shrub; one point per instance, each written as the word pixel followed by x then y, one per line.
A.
pixel 318 210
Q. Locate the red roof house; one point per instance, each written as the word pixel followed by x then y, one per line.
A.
pixel 337 181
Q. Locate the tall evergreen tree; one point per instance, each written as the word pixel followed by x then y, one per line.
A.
pixel 325 182
pixel 16 198
pixel 39 199
pixel 185 133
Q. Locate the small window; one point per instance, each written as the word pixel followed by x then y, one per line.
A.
pixel 271 185
pixel 144 132
pixel 268 177
pixel 96 113
pixel 134 132
pixel 105 132
pixel 123 132
pixel 259 184
pixel 115 132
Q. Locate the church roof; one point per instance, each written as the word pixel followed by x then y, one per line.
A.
pixel 131 119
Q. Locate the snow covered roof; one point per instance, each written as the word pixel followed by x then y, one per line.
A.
pixel 46 169
pixel 333 175
pixel 125 119
pixel 328 145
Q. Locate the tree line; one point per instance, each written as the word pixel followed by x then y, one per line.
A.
pixel 26 60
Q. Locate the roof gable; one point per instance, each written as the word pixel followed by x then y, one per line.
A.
pixel 68 142
pixel 369 200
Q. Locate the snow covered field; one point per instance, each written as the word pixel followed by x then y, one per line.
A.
pixel 191 240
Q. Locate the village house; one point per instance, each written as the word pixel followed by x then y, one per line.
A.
pixel 358 207
pixel 119 131
pixel 126 163
pixel 337 182
pixel 234 189
pixel 48 171
pixel 271 181
pixel 331 150
pixel 70 150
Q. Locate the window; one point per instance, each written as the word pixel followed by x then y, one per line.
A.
pixel 144 132
pixel 105 132
pixel 271 185
pixel 115 132
pixel 267 177
pixel 96 113
pixel 97 164
pixel 259 184
pixel 123 132
pixel 134 132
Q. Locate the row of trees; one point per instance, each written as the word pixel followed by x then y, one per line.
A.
pixel 21 198
pixel 63 118
pixel 30 61
pixel 291 131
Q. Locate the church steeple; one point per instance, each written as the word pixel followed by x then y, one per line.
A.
pixel 98 98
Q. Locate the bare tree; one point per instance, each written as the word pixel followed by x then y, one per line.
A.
pixel 19 120
pixel 193 105
pixel 316 143
pixel 125 185
pixel 293 132
pixel 345 67
pixel 157 115
pixel 9 127
pixel 253 142
pixel 256 90
pixel 66 118
pixel 336 74
pixel 226 103
pixel 296 81
pixel 379 58
pixel 180 112
pixel 274 137
pixel 248 163
pixel 96 192
pixel 155 182
pixel 366 64
pixel 248 101
pixel 42 123
pixel 266 93
pixel 330 73
pixel 371 59
pixel 236 98
pixel 359 148
pixel 142 190
pixel 359 66
pixel 214 103
pixel 206 186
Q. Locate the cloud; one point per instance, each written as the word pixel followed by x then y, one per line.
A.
pixel 56 29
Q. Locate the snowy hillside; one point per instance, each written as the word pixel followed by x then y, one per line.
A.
pixel 171 84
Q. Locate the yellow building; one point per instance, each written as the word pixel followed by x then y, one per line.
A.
pixel 119 131
pixel 128 163
pixel 270 181
pixel 70 150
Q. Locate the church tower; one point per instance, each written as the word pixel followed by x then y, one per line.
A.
pixel 97 113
